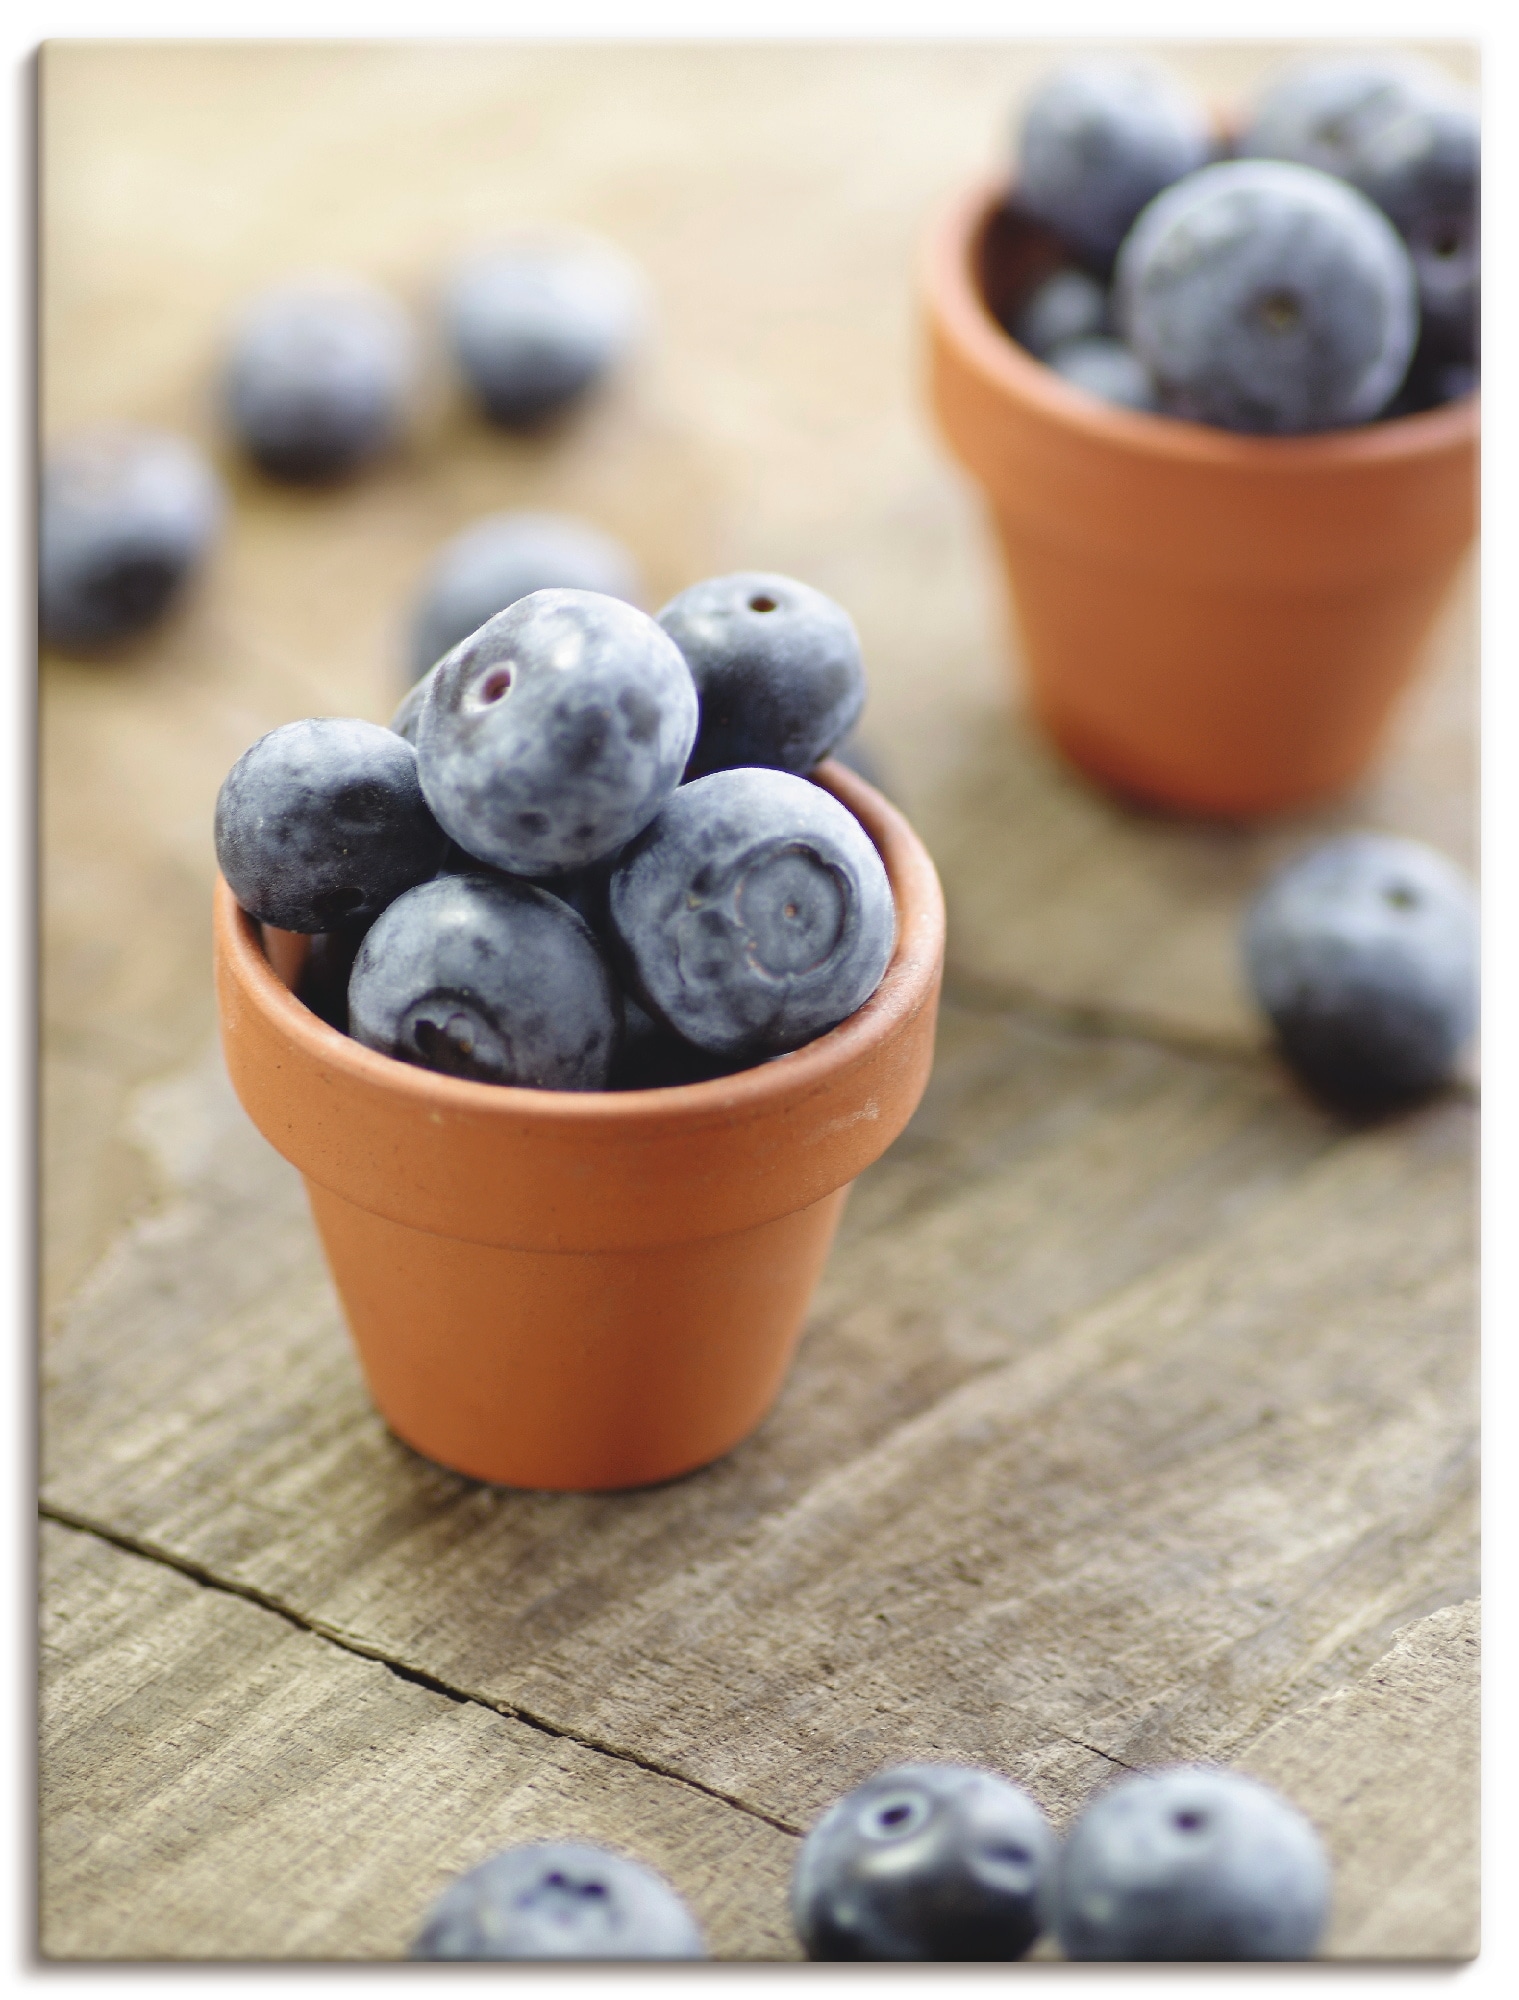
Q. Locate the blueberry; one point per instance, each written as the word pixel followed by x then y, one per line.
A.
pixel 1191 1863
pixel 755 913
pixel 654 1057
pixel 1403 135
pixel 482 976
pixel 555 733
pixel 125 518
pixel 537 322
pixel 502 558
pixel 323 822
pixel 1268 297
pixel 324 980
pixel 1363 956
pixel 317 378
pixel 558 1899
pixel 1098 141
pixel 409 710
pixel 1067 305
pixel 927 1861
pixel 1108 369
pixel 777 670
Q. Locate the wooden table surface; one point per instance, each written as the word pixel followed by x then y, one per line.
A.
pixel 1135 1420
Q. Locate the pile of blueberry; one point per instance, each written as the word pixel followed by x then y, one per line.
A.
pixel 585 855
pixel 1319 271
pixel 938 1862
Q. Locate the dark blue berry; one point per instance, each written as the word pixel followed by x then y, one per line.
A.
pixel 1107 369
pixel 777 670
pixel 486 977
pixel 927 1861
pixel 1067 305
pixel 409 709
pixel 1098 141
pixel 1268 297
pixel 317 378
pixel 556 732
pixel 1191 1863
pixel 324 980
pixel 502 558
pixel 536 323
pixel 1363 956
pixel 323 822
pixel 125 518
pixel 558 1899
pixel 755 913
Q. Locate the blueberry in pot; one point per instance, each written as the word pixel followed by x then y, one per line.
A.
pixel 535 323
pixel 1363 956
pixel 927 1861
pixel 504 557
pixel 322 823
pixel 777 670
pixel 125 518
pixel 1067 305
pixel 558 1899
pixel 1098 141
pixel 1268 297
pixel 324 980
pixel 1106 369
pixel 556 732
pixel 485 977
pixel 318 377
pixel 754 913
pixel 1191 1863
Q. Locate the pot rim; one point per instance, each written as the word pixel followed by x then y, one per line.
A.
pixel 955 299
pixel 906 985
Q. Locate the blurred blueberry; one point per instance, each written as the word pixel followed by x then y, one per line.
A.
pixel 777 670
pixel 504 557
pixel 754 911
pixel 927 1861
pixel 318 376
pixel 1098 141
pixel 323 822
pixel 409 709
pixel 1268 297
pixel 482 976
pixel 1108 369
pixel 555 732
pixel 1404 135
pixel 537 322
pixel 125 518
pixel 1191 1863
pixel 558 1899
pixel 1363 956
pixel 1068 305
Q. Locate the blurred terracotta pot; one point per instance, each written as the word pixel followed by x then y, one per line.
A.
pixel 581 1291
pixel 1210 622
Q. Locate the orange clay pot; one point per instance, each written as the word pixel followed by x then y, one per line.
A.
pixel 582 1290
pixel 1214 623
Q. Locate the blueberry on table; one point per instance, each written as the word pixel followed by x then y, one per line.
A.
pixel 537 322
pixel 777 670
pixel 504 557
pixel 558 1899
pixel 1191 1863
pixel 556 732
pixel 754 913
pixel 1363 956
pixel 1067 305
pixel 1098 141
pixel 323 822
pixel 1268 297
pixel 927 1861
pixel 317 378
pixel 1106 369
pixel 485 977
pixel 125 518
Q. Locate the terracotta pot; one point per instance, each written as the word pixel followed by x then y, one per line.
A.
pixel 582 1290
pixel 1210 622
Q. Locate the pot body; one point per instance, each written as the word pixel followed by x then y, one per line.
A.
pixel 1210 622
pixel 581 1291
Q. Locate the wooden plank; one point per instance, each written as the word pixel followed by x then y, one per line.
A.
pixel 219 1785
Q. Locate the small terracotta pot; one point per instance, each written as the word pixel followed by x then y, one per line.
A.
pixel 1211 622
pixel 582 1290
